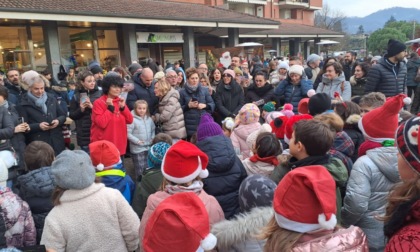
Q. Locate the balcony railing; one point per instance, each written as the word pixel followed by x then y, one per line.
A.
pixel 260 2
pixel 294 4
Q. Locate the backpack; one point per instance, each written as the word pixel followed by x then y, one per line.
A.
pixel 417 77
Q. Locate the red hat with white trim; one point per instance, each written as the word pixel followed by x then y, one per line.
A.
pixel 381 123
pixel 183 162
pixel 305 200
pixel 179 223
pixel 288 130
pixel 104 155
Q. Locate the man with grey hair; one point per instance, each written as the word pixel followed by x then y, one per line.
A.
pixel 43 114
pixel 203 69
pixel 172 78
pixel 144 89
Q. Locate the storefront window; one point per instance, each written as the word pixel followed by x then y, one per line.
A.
pixel 109 55
pixel 40 59
pixel 76 46
pixel 14 48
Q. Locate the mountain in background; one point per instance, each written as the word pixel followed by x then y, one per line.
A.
pixel 377 20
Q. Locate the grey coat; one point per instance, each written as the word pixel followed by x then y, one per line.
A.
pixel 142 129
pixel 370 182
pixel 331 86
pixel 171 116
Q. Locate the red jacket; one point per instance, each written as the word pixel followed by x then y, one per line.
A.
pixel 110 126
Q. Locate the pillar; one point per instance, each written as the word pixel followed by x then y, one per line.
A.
pixel 52 46
pixel 306 49
pixel 188 50
pixel 129 49
pixel 317 47
pixel 276 45
pixel 233 37
pixel 294 46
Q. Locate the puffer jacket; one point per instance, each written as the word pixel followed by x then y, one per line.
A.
pixel 238 235
pixel 239 136
pixel 351 239
pixel 357 86
pixel 226 173
pixel 353 131
pixel 36 188
pixel 192 115
pixel 412 66
pixel 18 143
pixel 386 78
pixel 142 92
pixel 83 119
pixel 372 177
pixel 229 99
pixel 343 149
pixel 339 84
pixel 142 129
pixel 258 167
pixel 6 129
pixel 170 115
pixel 293 93
pixel 255 93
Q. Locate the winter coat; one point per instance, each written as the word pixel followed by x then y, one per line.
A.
pixel 239 136
pixel 210 203
pixel 150 183
pixel 387 78
pixel 238 234
pixel 7 129
pixel 142 92
pixel 34 115
pixel 371 179
pixel 226 173
pixel 412 67
pixel 120 181
pixel 95 218
pixel 293 93
pixel 353 131
pixel 255 93
pixel 170 115
pixel 312 73
pixel 20 226
pixel 111 126
pixel 258 167
pixel 357 86
pixel 192 115
pixel 343 149
pixel 18 143
pixel 16 91
pixel 229 99
pixel 339 84
pixel 36 188
pixel 142 129
pixel 351 239
pixel 83 120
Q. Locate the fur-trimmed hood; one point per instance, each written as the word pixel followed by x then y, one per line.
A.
pixel 353 119
pixel 242 228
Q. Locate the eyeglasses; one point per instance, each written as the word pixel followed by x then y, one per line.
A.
pixel 227 75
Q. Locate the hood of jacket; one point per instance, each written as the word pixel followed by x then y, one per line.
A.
pixel 343 143
pixel 337 80
pixel 37 183
pixel 243 227
pixel 385 158
pixel 171 93
pixel 243 131
pixel 353 119
pixel 219 161
pixel 137 80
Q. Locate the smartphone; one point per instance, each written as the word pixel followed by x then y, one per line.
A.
pixel 21 120
pixel 124 95
pixel 50 124
pixel 83 97
pixel 194 99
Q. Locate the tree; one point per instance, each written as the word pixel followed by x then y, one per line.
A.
pixel 405 27
pixel 378 40
pixel 360 30
pixel 390 20
pixel 329 18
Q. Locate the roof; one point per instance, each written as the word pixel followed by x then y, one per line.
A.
pixel 159 12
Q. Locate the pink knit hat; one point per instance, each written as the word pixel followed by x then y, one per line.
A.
pixel 249 113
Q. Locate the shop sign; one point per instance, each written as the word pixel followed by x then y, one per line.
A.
pixel 159 37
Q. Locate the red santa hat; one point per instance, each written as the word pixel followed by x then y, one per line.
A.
pixel 179 223
pixel 183 162
pixel 288 130
pixel 305 200
pixel 278 126
pixel 104 155
pixel 303 103
pixel 381 123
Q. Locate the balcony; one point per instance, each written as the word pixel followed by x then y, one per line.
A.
pixel 258 2
pixel 298 4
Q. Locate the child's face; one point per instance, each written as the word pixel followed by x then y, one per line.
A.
pixel 264 113
pixel 293 147
pixel 365 109
pixel 72 87
pixel 404 169
pixel 141 110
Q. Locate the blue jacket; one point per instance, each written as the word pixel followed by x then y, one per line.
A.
pixel 192 116
pixel 226 173
pixel 293 93
pixel 118 179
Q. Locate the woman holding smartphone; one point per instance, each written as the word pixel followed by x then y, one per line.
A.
pixel 81 107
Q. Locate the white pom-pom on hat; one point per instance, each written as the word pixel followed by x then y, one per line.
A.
pixel 204 173
pixel 328 225
pixel 209 242
pixel 311 92
pixel 407 100
pixel 100 167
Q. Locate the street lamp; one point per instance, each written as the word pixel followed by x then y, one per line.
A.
pixel 366 44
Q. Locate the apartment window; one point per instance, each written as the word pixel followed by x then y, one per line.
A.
pixel 285 14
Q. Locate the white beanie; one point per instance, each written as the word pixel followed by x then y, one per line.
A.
pixel 26 76
pixel 284 65
pixel 296 69
pixel 313 57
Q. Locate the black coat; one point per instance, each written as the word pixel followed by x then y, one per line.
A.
pixel 387 78
pixel 192 116
pixel 18 139
pixel 229 101
pixel 255 93
pixel 16 91
pixel 226 173
pixel 34 116
pixel 141 92
pixel 83 119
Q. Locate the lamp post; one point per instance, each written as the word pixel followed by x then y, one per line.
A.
pixel 366 44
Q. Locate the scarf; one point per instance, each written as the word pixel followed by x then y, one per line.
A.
pixel 269 160
pixel 192 88
pixel 195 187
pixel 39 102
pixel 369 145
pixel 261 91
pixel 5 104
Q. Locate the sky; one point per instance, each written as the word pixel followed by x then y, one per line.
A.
pixel 362 8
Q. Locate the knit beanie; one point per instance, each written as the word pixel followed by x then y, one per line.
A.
pixel 156 154
pixel 319 103
pixel 134 67
pixel 269 106
pixel 256 191
pixel 313 57
pixel 230 72
pixel 376 58
pixel 283 65
pixel 269 117
pixel 4 174
pixel 207 128
pixel 96 69
pixel 250 140
pixel 249 113
pixel 288 110
pixel 395 47
pixel 288 130
pixel 296 69
pixel 104 154
pixel 228 123
pixel 278 126
pixel 73 170
pixel 159 75
pixel 238 71
pixel 408 139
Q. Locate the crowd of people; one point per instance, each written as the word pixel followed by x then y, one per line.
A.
pixel 281 155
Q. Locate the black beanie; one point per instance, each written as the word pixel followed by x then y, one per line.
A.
pixel 395 47
pixel 319 103
pixel 96 69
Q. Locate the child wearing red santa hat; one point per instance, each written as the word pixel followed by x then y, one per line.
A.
pixel 375 172
pixel 183 167
pixel 305 215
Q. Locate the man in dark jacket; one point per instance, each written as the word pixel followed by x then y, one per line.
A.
pixel 13 84
pixel 389 75
pixel 144 89
pixel 348 66
pixel 412 66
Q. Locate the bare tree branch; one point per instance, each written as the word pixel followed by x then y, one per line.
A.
pixel 329 18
